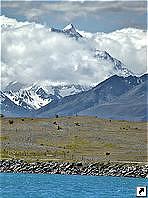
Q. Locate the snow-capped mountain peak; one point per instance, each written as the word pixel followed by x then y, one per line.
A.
pixel 69 27
pixel 69 30
pixel 118 67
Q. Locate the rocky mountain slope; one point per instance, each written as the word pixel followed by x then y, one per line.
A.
pixel 9 109
pixel 132 105
pixel 37 95
pixel 116 95
pixel 115 98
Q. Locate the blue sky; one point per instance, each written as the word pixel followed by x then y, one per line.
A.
pixel 93 16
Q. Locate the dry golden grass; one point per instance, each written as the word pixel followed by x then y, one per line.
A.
pixel 76 138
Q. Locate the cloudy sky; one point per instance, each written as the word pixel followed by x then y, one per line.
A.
pixel 90 16
pixel 33 53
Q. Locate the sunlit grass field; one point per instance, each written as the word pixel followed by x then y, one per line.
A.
pixel 77 138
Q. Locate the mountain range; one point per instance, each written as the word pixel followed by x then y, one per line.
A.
pixel 37 95
pixel 115 97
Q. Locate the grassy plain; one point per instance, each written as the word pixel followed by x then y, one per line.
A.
pixel 78 138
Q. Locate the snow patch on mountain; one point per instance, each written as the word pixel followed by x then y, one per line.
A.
pixel 32 100
pixel 69 27
pixel 118 67
pixel 38 95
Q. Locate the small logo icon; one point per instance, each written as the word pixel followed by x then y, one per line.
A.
pixel 142 191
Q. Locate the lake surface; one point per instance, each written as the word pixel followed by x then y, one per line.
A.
pixel 19 185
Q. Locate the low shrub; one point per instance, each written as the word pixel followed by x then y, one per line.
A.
pixel 59 127
pixel 77 123
pixel 11 121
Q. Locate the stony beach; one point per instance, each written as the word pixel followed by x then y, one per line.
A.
pixel 75 168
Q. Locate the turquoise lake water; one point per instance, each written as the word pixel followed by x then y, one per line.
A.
pixel 20 185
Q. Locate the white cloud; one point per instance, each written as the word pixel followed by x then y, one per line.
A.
pixel 72 9
pixel 31 53
pixel 127 45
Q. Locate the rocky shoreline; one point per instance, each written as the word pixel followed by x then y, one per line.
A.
pixel 76 168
